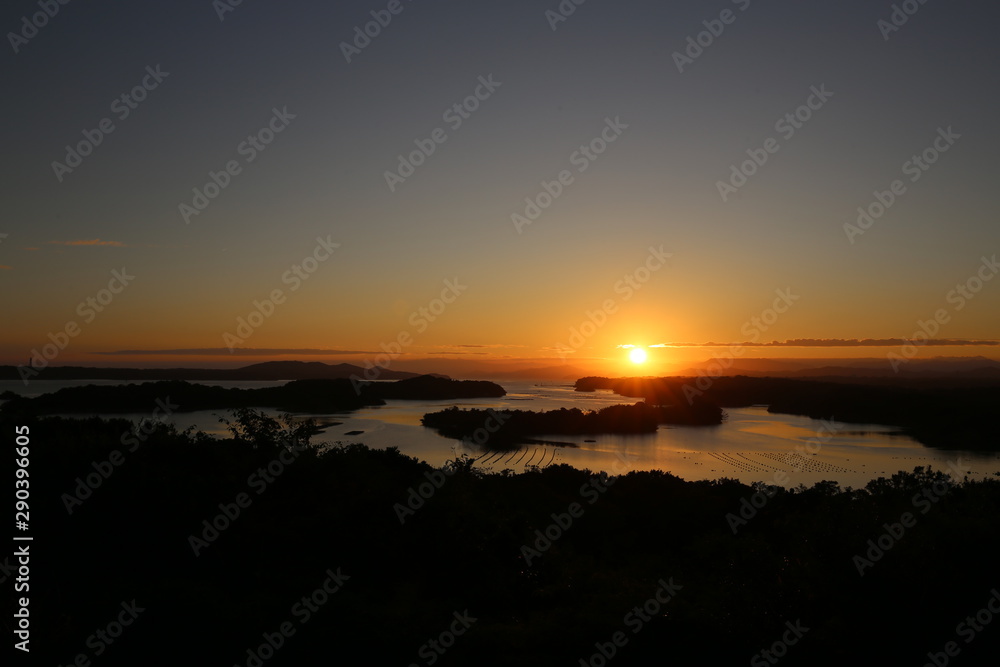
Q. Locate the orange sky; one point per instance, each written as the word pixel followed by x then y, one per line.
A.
pixel 583 199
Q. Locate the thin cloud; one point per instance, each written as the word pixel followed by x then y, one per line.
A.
pixel 239 351
pixel 840 342
pixel 490 346
pixel 461 353
pixel 4 267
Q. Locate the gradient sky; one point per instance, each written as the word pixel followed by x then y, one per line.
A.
pixel 656 185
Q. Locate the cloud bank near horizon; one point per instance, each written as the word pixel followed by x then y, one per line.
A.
pixel 839 342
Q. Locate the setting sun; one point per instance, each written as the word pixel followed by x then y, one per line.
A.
pixel 637 355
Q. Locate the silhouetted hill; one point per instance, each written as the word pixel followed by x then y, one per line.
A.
pixel 298 396
pixel 561 372
pixel 432 387
pixel 988 372
pixel 953 367
pixel 312 395
pixel 306 370
pixel 932 411
pixel 268 370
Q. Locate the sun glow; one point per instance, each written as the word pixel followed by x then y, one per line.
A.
pixel 637 355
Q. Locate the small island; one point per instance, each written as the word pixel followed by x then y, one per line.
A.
pixel 511 428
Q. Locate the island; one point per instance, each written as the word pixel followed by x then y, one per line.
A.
pixel 500 429
pixel 937 412
pixel 303 396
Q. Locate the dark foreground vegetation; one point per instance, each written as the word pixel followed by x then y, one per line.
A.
pixel 513 426
pixel 934 412
pixel 297 396
pixel 119 516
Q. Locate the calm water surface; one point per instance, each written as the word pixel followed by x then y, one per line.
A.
pixel 751 445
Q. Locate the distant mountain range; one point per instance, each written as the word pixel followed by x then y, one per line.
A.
pixel 561 372
pixel 981 368
pixel 935 367
pixel 268 370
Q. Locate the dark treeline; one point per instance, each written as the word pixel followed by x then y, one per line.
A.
pixel 297 396
pixel 514 425
pixel 462 545
pixel 181 396
pixel 941 416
